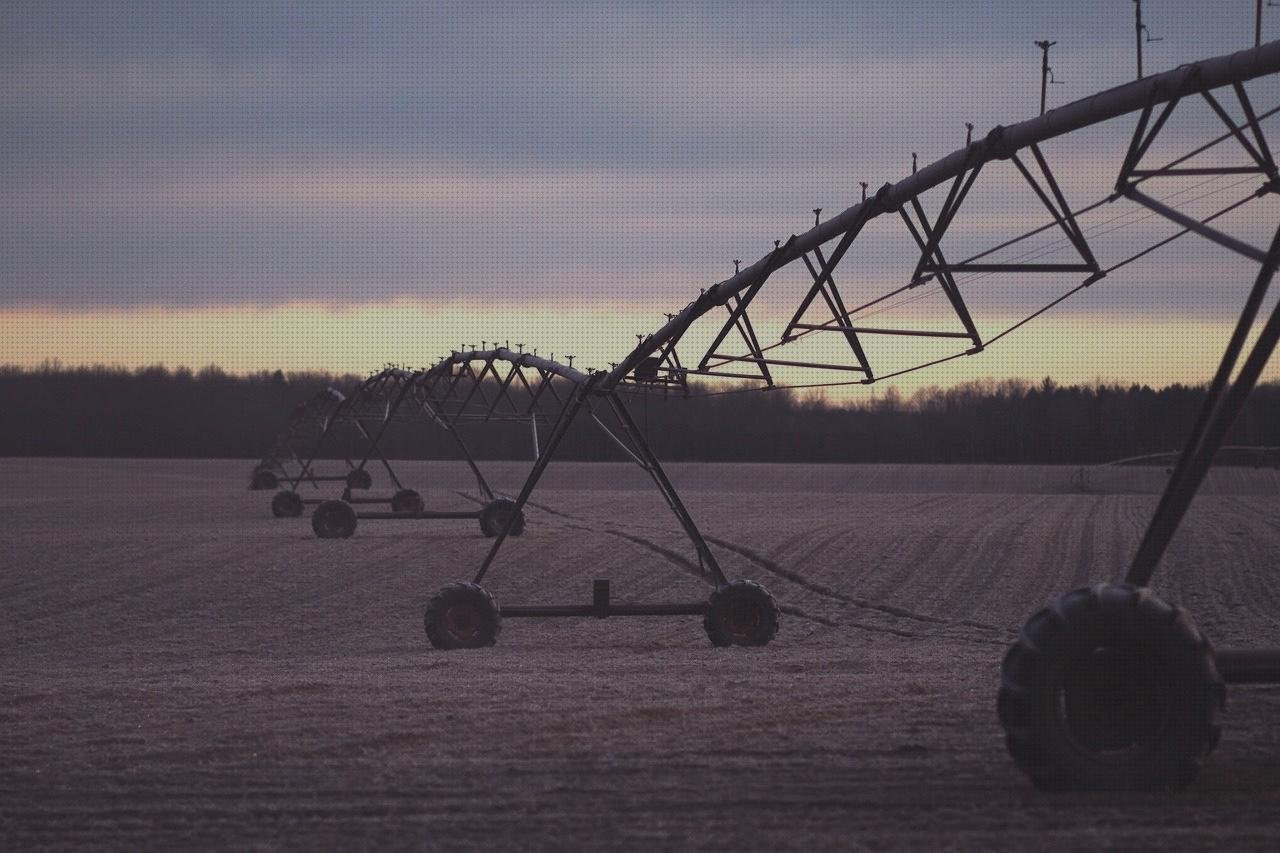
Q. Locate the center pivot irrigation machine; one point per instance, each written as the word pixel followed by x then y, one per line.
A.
pixel 311 429
pixel 283 463
pixel 1107 688
pixel 464 388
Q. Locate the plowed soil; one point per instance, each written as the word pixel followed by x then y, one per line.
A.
pixel 181 669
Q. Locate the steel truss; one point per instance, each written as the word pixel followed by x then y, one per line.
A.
pixel 303 428
pixel 467 388
pixel 1122 609
pixel 473 386
pixel 500 384
pixel 364 407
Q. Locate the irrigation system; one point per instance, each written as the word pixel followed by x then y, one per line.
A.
pixel 1109 687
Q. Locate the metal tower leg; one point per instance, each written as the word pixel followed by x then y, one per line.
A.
pixel 654 468
pixel 1220 409
pixel 561 427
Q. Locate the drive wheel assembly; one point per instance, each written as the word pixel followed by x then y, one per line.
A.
pixel 359 479
pixel 286 504
pixel 741 613
pixel 495 516
pixel 1110 688
pixel 334 520
pixel 264 480
pixel 462 616
pixel 407 500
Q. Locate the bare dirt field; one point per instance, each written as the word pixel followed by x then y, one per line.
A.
pixel 183 670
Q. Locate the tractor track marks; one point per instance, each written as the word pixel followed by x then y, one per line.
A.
pixel 848 600
pixel 688 565
pixel 769 565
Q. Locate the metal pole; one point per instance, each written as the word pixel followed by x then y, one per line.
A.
pixel 1218 413
pixel 1257 24
pixel 481 482
pixel 1044 70
pixel 1160 89
pixel 558 432
pixel 1137 32
pixel 654 467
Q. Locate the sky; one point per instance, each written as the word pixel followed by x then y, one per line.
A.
pixel 340 185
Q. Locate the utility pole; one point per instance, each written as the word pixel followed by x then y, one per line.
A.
pixel 1046 73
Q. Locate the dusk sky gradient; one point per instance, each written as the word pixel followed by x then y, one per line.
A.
pixel 337 185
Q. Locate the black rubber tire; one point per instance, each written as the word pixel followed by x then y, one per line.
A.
pixel 1110 689
pixel 407 500
pixel 264 481
pixel 334 520
pixel 741 613
pixel 462 616
pixel 493 518
pixel 286 504
pixel 359 478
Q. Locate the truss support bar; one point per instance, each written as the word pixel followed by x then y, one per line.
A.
pixel 567 414
pixel 835 305
pixel 863 330
pixel 779 362
pixel 619 442
pixel 719 375
pixel 965 268
pixel 481 482
pixel 659 476
pixel 428 514
pixel 1195 225
pixel 696 608
pixel 1198 170
pixel 1249 666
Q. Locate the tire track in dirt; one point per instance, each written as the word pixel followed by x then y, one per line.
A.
pixel 897 582
pixel 672 557
pixel 849 600
pixel 1037 585
pixel 980 555
pixel 769 565
pixel 689 566
pixel 1238 553
pixel 676 559
pixel 755 557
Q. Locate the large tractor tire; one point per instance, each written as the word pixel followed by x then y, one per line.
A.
pixel 462 616
pixel 359 479
pixel 264 481
pixel 286 504
pixel 741 613
pixel 407 500
pixel 334 520
pixel 496 514
pixel 1110 688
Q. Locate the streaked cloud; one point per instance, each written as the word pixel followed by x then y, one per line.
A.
pixel 608 159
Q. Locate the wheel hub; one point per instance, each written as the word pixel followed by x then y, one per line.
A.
pixel 742 618
pixel 462 621
pixel 1111 700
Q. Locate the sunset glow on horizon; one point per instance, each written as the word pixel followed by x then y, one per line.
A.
pixel 1071 348
pixel 265 190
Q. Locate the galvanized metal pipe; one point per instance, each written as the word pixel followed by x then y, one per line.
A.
pixel 1000 143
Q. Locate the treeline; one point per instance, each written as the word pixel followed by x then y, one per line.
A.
pixel 155 412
